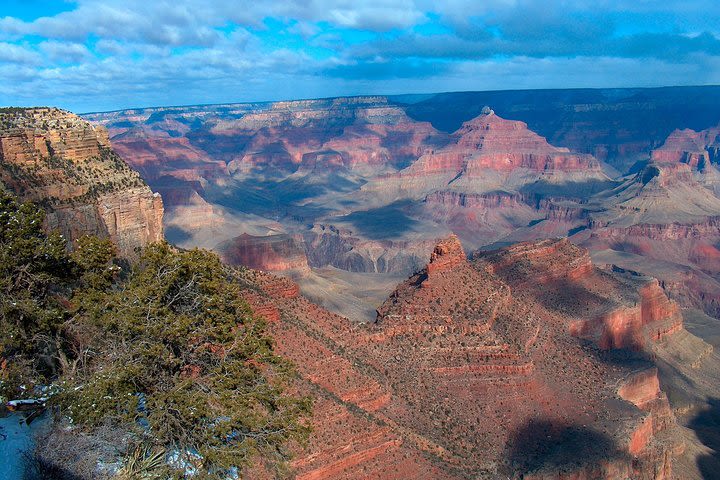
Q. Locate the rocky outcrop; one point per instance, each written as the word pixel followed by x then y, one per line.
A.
pixel 490 332
pixel 540 262
pixel 270 253
pixel 60 161
pixel 699 150
pixel 446 255
pixel 653 318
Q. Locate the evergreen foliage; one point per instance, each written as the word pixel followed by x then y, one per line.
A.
pixel 35 274
pixel 165 351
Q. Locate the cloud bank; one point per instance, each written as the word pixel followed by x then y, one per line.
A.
pixel 90 55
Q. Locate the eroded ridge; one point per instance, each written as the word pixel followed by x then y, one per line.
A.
pixel 479 368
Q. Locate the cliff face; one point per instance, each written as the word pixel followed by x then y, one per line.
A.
pixel 474 369
pixel 274 253
pixel 60 161
pixel 699 150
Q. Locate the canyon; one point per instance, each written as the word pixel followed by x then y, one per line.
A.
pixel 586 307
pixel 366 186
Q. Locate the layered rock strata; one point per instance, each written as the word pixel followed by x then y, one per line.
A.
pixel 489 153
pixel 60 161
pixel 476 369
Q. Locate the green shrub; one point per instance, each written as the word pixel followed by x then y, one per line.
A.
pixel 166 350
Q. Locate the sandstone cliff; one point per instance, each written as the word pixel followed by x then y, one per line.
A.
pixel 60 161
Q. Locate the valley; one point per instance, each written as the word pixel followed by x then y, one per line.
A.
pixel 469 304
pixel 370 184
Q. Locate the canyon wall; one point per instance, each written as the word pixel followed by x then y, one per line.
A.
pixel 60 161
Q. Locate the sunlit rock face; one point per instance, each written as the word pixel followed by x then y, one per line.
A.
pixel 67 165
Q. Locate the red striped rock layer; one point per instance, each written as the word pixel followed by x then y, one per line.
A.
pixel 489 142
pixel 351 439
pixel 464 360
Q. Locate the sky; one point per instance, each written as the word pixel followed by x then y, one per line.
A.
pixel 99 55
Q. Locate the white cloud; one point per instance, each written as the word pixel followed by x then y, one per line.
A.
pixel 65 52
pixel 114 53
pixel 12 53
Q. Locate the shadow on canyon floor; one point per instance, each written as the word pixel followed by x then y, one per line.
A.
pixel 544 444
pixel 176 235
pixel 706 425
pixel 580 190
pixel 382 223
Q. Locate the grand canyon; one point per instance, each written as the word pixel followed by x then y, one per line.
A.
pixel 359 240
pixel 348 196
pixel 519 284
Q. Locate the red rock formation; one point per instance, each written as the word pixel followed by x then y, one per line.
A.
pixel 489 143
pixel 446 255
pixel 540 262
pixel 270 253
pixel 696 149
pixel 468 363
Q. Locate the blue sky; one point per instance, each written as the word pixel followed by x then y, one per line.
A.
pixel 92 55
